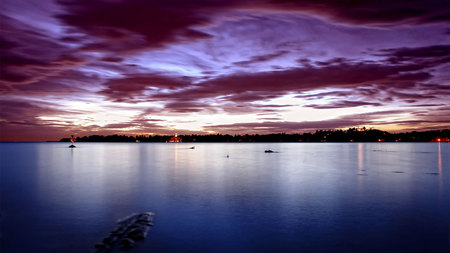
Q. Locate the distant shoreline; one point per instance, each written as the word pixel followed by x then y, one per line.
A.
pixel 349 135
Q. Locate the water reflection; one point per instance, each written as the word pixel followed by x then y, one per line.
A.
pixel 306 198
pixel 360 156
pixel 440 167
pixel 439 159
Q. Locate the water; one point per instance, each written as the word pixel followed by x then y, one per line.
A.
pixel 308 197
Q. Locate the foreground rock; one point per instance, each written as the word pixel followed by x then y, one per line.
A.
pixel 128 230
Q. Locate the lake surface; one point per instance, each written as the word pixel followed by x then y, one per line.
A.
pixel 307 197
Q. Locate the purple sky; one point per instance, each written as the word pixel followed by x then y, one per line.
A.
pixel 131 67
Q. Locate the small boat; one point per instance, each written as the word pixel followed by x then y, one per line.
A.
pixel 193 147
pixel 72 146
pixel 268 151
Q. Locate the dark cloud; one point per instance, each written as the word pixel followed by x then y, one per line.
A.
pixel 270 118
pixel 18 111
pixel 70 84
pixel 372 12
pixel 251 108
pixel 156 23
pixel 140 124
pixel 343 104
pixel 186 107
pixel 133 86
pixel 28 55
pixel 264 85
pixel 320 95
pixel 164 22
pixel 429 56
pixel 405 95
pixel 250 96
pixel 111 59
pixel 260 58
pixel 19 120
pixel 135 24
pixel 406 53
pixel 377 82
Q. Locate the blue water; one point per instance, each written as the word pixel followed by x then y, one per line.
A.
pixel 308 197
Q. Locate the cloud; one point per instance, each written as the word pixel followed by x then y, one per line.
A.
pixel 187 107
pixel 407 53
pixel 28 55
pixel 377 82
pixel 343 104
pixel 260 58
pixel 184 58
pixel 428 120
pixel 111 59
pixel 280 126
pixel 151 24
pixel 372 12
pixel 133 86
pixel 69 84
pixel 243 86
pixel 19 120
pixel 26 112
pixel 136 25
pixel 250 96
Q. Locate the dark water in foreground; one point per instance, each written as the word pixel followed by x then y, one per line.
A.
pixel 309 197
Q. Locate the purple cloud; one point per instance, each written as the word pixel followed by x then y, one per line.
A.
pixel 343 104
pixel 262 59
pixel 430 121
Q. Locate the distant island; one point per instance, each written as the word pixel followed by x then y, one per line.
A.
pixel 349 135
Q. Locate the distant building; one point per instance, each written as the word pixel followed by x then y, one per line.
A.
pixel 174 139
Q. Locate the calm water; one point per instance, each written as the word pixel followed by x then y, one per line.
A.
pixel 309 197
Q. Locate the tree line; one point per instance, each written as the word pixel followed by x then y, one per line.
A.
pixel 349 135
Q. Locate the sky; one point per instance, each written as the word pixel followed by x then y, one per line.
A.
pixel 135 67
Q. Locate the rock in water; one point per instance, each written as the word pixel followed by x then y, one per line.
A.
pixel 128 230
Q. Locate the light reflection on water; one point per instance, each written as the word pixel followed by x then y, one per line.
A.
pixel 439 158
pixel 311 197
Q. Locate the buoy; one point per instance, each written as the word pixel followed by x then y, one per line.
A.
pixel 72 140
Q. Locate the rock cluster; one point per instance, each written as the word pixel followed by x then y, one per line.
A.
pixel 128 230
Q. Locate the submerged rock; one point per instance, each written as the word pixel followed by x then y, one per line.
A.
pixel 126 243
pixel 128 230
